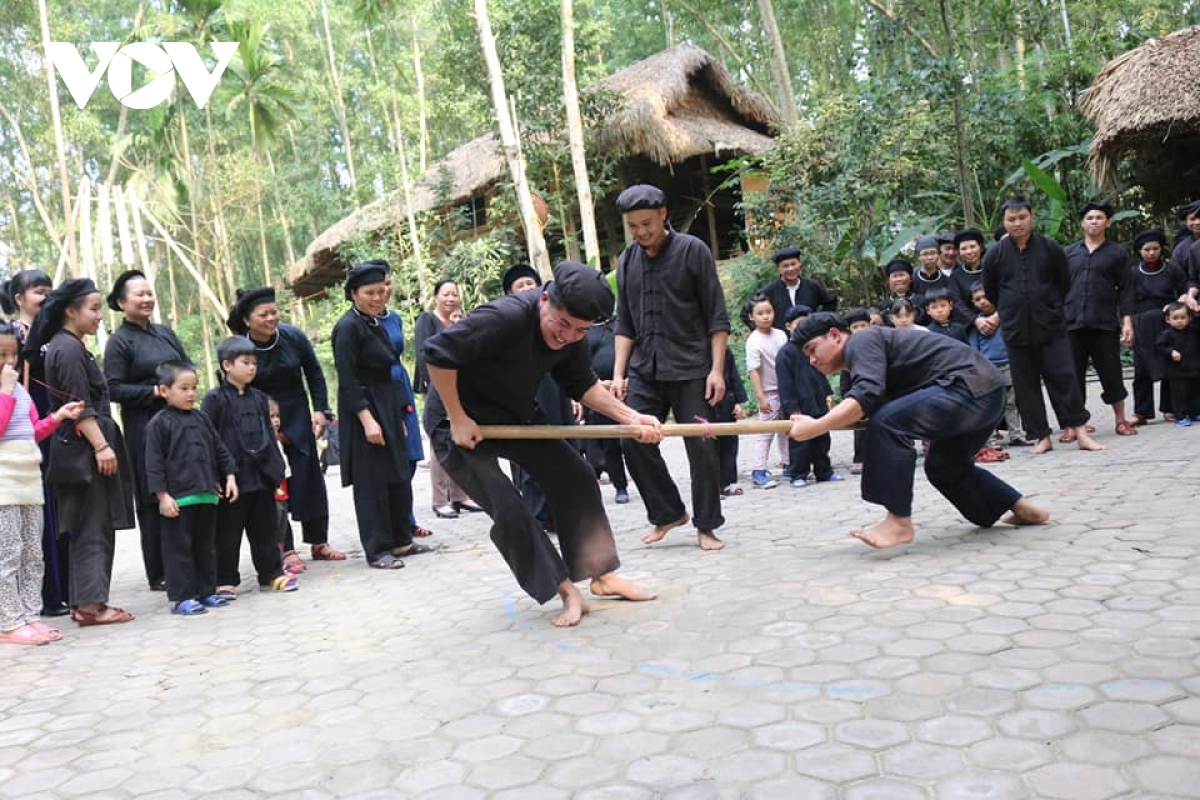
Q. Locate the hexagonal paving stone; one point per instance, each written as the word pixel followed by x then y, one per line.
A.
pixel 924 762
pixel 834 762
pixel 509 772
pixel 1040 725
pixel 1104 747
pixel 789 735
pixel 884 789
pixel 1127 717
pixel 1066 781
pixel 981 787
pixel 710 742
pixel 792 788
pixel 1015 755
pixel 872 734
pixel 955 731
pixel 748 766
pixel 665 771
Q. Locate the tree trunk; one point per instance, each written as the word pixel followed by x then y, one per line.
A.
pixel 583 186
pixel 59 145
pixel 779 65
pixel 962 156
pixel 511 143
pixel 424 284
pixel 422 110
pixel 339 105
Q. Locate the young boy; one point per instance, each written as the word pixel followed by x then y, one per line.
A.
pixel 241 415
pixel 803 390
pixel 1179 347
pixel 762 346
pixel 187 465
pixel 939 307
pixel 994 350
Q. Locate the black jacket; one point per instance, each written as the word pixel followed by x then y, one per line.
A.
pixel 243 421
pixel 184 454
pixel 808 293
pixel 1028 288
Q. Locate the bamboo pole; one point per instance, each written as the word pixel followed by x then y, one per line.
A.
pixel 706 429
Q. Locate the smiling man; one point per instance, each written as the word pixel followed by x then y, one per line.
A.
pixel 910 385
pixel 792 289
pixel 485 369
pixel 672 331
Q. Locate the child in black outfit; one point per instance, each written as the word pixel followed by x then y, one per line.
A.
pixel 1179 348
pixel 728 410
pixel 939 309
pixel 241 415
pixel 187 465
pixel 803 390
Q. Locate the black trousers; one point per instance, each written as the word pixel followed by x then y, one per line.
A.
pixel 254 513
pixel 684 399
pixel 1143 389
pixel 1050 362
pixel 56 554
pixel 150 528
pixel 384 511
pixel 956 425
pixel 859 438
pixel 605 455
pixel 584 533
pixel 189 552
pixel 813 454
pixel 1103 348
pixel 1185 397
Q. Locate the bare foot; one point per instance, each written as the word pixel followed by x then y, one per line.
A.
pixel 1043 446
pixel 660 531
pixel 573 606
pixel 613 585
pixel 1024 512
pixel 709 540
pixel 891 531
pixel 1085 441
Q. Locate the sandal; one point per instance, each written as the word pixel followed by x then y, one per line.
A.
pixel 1126 429
pixel 87 619
pixel 284 583
pixel 990 455
pixel 226 592
pixel 421 533
pixel 324 552
pixel 732 490
pixel 52 634
pixel 292 563
pixel 387 561
pixel 1169 418
pixel 1137 420
pixel 413 549
pixel 24 635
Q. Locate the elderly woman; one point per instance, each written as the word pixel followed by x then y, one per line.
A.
pixel 448 498
pixel 379 434
pixel 288 372
pixel 131 359
pixel 87 469
pixel 1156 282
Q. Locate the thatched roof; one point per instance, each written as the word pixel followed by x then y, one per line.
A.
pixel 672 106
pixel 1144 103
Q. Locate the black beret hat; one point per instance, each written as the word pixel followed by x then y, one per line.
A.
pixel 118 289
pixel 641 195
pixel 947 237
pixel 515 273
pixel 857 314
pixel 581 291
pixel 818 324
pixel 784 253
pixel 1105 208
pixel 970 235
pixel 366 273
pixel 1189 209
pixel 795 311
pixel 898 265
pixel 1152 235
pixel 925 243
pixel 247 300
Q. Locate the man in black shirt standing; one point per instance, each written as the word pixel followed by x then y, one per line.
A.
pixel 672 330
pixel 790 289
pixel 1099 310
pixel 1025 276
pixel 486 369
pixel 910 385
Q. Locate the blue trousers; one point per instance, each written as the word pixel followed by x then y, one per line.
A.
pixel 956 425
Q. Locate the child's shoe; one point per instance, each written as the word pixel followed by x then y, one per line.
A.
pixel 1183 423
pixel 798 483
pixel 284 583
pixel 226 592
pixel 189 608
pixel 212 601
pixel 761 479
pixel 833 478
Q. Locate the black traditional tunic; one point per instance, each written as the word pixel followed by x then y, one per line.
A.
pixel 1099 295
pixel 1153 289
pixel 807 292
pixel 1028 287
pixel 286 364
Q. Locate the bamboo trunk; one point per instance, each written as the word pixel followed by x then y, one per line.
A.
pixel 704 429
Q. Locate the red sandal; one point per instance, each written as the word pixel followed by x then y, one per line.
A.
pixel 324 552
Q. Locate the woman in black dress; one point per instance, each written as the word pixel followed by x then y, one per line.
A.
pixel 289 372
pixel 131 358
pixel 88 468
pixel 380 437
pixel 1156 282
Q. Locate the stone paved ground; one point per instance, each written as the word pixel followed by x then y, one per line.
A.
pixel 1060 662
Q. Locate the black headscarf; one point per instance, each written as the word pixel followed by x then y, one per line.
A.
pixel 515 273
pixel 54 310
pixel 118 290
pixel 367 272
pixel 247 300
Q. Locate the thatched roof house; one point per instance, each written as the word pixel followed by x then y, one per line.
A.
pixel 1145 106
pixel 677 106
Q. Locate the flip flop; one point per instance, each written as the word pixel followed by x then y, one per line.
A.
pixel 53 634
pixel 87 619
pixel 284 583
pixel 413 549
pixel 386 561
pixel 24 635
pixel 323 552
